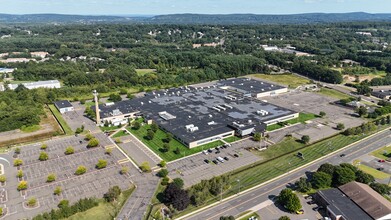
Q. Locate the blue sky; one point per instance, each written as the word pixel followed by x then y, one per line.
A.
pixel 154 7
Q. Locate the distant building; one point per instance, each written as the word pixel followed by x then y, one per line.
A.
pixel 40 54
pixel 382 94
pixel 364 33
pixel 50 84
pixel 63 106
pixel 354 201
pixel 6 70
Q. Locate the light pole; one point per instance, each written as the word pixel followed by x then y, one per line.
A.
pixel 238 180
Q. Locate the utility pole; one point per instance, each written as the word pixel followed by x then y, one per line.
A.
pixel 238 180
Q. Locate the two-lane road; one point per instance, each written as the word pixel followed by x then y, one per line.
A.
pixel 246 201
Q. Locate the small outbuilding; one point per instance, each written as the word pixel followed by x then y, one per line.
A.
pixel 64 106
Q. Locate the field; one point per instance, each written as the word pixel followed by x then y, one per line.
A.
pixel 142 72
pixel 156 145
pixel 287 145
pixel 104 211
pixel 30 128
pixel 292 81
pixel 60 119
pixel 333 93
pixel 303 117
pixel 375 173
pixel 380 153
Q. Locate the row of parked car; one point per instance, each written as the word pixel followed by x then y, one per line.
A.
pixel 217 150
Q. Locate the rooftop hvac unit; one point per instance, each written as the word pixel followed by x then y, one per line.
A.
pixel 189 126
pixel 250 121
pixel 210 116
pixel 262 90
pixel 211 123
pixel 221 107
pixel 149 101
pixel 251 87
pixel 142 103
pixel 153 93
pixel 217 109
pixel 158 95
pixel 241 84
pixel 193 129
pixel 262 83
pixel 165 93
pixel 228 106
pixel 109 104
pixel 189 116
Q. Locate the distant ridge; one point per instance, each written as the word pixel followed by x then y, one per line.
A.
pixel 309 18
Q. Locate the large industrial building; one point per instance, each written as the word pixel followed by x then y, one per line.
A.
pixel 50 84
pixel 197 115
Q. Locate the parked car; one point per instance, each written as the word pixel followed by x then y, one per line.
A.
pixel 380 168
pixel 227 145
pixel 215 162
pixel 205 152
pixel 218 151
pixel 342 155
pixel 311 202
pixel 382 161
pixel 315 209
pixel 223 146
pixel 235 155
pixel 226 158
pixel 217 148
pixel 210 150
pixel 308 197
pixel 206 161
pixel 300 212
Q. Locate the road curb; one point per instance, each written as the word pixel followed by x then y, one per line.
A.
pixel 279 177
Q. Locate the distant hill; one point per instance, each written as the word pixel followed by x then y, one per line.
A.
pixel 269 19
pixel 199 18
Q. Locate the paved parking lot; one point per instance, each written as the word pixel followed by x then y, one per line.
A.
pixel 194 169
pixel 76 118
pixel 94 183
pixel 138 151
pixel 274 211
pixel 310 102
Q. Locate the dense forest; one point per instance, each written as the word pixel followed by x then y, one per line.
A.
pixel 107 57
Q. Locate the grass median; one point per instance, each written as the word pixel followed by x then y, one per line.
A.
pixel 60 119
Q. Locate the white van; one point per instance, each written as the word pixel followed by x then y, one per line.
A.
pixel 220 159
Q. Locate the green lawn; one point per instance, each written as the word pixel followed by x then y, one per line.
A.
pixel 112 128
pixel 375 173
pixel 121 134
pixel 104 211
pixel 157 143
pixel 60 119
pixel 287 145
pixel 303 117
pixel 246 217
pixel 142 72
pixel 232 139
pixel 289 80
pixel 31 128
pixel 382 152
pixel 334 94
pixel 260 172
